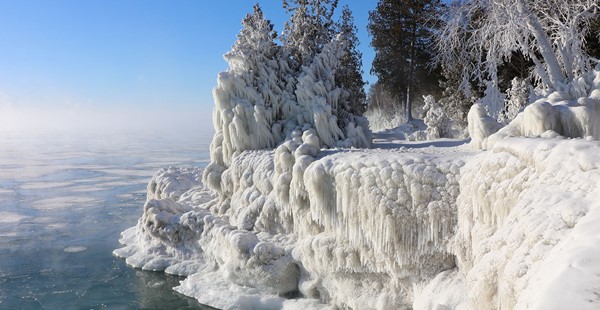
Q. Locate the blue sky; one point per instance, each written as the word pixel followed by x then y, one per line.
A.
pixel 127 55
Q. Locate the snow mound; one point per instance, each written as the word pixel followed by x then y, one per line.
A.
pixel 574 113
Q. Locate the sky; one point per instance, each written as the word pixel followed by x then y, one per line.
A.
pixel 124 63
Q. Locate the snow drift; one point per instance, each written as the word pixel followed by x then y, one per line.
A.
pixel 524 237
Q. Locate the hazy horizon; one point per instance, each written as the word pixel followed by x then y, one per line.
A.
pixel 40 119
pixel 133 65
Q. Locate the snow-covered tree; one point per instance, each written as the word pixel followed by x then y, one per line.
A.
pixel 478 36
pixel 250 93
pixel 309 28
pixel 454 101
pixel 261 101
pixel 349 75
pixel 320 98
pixel 439 123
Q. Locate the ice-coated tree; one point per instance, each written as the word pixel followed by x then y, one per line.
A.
pixel 250 93
pixel 478 36
pixel 402 42
pixel 260 101
pixel 309 28
pixel 349 75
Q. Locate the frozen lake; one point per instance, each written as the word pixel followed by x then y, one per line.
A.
pixel 64 200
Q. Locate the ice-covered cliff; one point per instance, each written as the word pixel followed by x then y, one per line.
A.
pixel 397 226
pixel 378 229
pixel 358 228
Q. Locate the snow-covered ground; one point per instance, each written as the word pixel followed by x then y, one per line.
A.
pixel 436 224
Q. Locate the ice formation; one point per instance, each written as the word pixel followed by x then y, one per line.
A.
pixel 525 238
pixel 572 113
pixel 291 221
pixel 300 226
pixel 290 214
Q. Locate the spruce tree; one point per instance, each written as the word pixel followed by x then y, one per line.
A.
pixel 309 28
pixel 349 75
pixel 403 45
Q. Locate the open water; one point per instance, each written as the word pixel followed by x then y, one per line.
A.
pixel 64 199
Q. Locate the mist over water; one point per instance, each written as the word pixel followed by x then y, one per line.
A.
pixel 65 196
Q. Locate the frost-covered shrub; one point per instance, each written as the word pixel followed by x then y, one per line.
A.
pixel 380 119
pixel 516 100
pixel 435 119
pixel 439 124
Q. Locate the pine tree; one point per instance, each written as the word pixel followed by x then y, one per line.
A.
pixel 309 28
pixel 403 45
pixel 349 75
pixel 249 93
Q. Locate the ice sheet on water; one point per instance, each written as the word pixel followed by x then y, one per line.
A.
pixel 75 249
pixel 64 202
pixel 11 217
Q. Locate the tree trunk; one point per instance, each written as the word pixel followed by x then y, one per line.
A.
pixel 555 73
pixel 408 105
pixel 411 69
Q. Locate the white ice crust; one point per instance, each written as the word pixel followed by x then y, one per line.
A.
pixel 300 227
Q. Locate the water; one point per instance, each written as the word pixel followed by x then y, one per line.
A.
pixel 64 200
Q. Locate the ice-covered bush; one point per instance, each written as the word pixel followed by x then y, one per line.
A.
pixel 381 120
pixel 516 100
pixel 439 123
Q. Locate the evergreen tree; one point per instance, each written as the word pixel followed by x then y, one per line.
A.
pixel 249 92
pixel 309 28
pixel 349 75
pixel 254 55
pixel 403 46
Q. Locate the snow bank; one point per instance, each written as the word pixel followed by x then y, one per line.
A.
pixel 525 238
